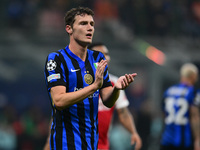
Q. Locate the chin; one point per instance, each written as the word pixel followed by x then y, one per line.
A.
pixel 88 42
pixel 85 43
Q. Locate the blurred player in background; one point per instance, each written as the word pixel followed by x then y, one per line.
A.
pixel 105 114
pixel 181 131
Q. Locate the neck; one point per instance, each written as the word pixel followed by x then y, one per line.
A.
pixel 78 50
pixel 187 82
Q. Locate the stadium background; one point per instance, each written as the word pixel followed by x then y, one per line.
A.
pixel 150 37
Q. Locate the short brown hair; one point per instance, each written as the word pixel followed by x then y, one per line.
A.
pixel 71 14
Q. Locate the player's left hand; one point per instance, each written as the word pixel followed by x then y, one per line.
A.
pixel 124 81
pixel 135 139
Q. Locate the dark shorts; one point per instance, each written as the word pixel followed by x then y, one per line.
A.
pixel 174 148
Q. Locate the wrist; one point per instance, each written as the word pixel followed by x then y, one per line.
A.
pixel 134 132
pixel 116 89
pixel 94 87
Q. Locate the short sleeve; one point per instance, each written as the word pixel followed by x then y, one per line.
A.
pixel 54 75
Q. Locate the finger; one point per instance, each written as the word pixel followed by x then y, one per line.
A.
pixel 101 66
pixel 126 79
pixel 134 74
pixel 102 62
pixel 139 144
pixel 123 85
pixel 130 78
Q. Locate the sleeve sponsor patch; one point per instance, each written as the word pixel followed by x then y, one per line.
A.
pixel 53 76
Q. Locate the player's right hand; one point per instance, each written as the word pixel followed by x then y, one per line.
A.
pixel 99 73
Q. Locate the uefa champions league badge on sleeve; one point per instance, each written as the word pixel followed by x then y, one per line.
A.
pixel 51 65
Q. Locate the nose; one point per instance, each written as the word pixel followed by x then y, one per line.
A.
pixel 90 28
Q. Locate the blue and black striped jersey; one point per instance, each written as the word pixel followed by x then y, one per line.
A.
pixel 177 101
pixel 76 127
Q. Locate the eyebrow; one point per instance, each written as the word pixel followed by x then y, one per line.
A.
pixel 84 21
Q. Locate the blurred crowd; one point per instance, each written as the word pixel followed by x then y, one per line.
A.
pixel 142 17
pixel 25 130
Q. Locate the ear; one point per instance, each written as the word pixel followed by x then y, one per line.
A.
pixel 69 29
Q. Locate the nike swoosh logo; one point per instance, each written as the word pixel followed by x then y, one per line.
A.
pixel 72 70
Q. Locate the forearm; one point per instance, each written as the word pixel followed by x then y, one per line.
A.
pixel 126 120
pixel 195 123
pixel 63 100
pixel 47 145
pixel 110 98
pixel 196 131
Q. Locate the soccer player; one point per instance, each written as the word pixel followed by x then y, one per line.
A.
pixel 181 131
pixel 75 77
pixel 105 114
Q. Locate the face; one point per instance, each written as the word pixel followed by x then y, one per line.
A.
pixel 82 30
pixel 104 50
